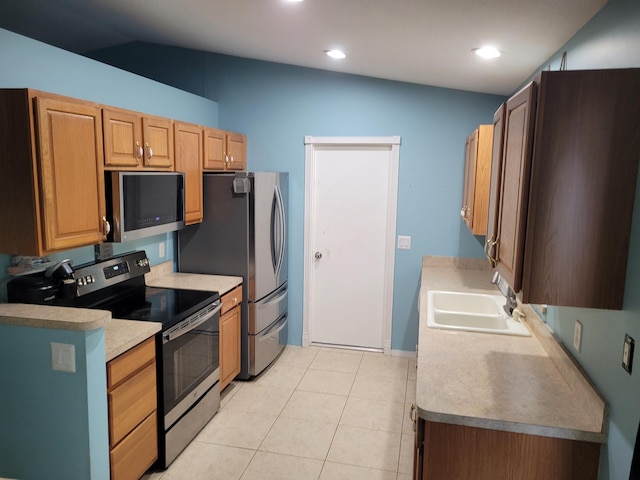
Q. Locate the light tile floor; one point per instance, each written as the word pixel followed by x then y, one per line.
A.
pixel 315 414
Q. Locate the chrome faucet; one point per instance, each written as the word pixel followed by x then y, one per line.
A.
pixel 506 290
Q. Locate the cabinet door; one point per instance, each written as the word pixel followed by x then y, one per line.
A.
pixel 229 346
pixel 188 143
pixel 237 151
pixel 71 173
pixel 514 192
pixel 214 149
pixel 122 138
pixel 158 142
pixel 469 178
pixel 495 184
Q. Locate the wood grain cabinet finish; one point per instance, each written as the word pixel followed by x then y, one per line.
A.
pixel 224 150
pixel 569 169
pixel 52 161
pixel 230 336
pixel 134 141
pixel 189 158
pixel 476 179
pixel 132 405
pixel 456 452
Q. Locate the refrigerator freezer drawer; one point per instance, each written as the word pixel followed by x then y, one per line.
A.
pixel 267 310
pixel 266 346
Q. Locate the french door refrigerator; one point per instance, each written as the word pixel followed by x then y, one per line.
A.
pixel 244 234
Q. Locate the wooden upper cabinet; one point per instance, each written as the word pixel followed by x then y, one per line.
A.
pixel 189 158
pixel 135 141
pixel 237 151
pixel 569 170
pixel 224 150
pixel 518 124
pixel 477 176
pixel 51 158
pixel 491 239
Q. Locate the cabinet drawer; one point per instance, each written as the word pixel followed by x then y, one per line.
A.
pixel 131 402
pixel 231 299
pixel 137 452
pixel 126 364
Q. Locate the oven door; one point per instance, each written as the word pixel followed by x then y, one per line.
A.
pixel 190 362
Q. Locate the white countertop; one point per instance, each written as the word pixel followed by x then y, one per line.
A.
pixel 496 381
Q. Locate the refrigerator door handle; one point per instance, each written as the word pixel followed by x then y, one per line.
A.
pixel 275 297
pixel 282 228
pixel 275 244
pixel 275 329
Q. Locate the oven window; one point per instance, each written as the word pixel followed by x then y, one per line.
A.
pixel 188 360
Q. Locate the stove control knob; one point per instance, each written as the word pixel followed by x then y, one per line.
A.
pixel 144 262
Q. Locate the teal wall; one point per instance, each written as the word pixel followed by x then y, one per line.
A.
pixel 277 105
pixel 53 424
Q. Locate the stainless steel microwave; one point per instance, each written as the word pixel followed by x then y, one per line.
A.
pixel 142 204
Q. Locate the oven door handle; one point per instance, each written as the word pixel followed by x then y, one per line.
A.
pixel 187 326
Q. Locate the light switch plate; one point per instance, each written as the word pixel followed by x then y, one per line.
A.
pixel 161 251
pixel 627 353
pixel 63 357
pixel 577 335
pixel 404 242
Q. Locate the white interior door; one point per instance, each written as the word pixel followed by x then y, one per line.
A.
pixel 349 241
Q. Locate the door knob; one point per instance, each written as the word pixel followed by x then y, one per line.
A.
pixel 318 255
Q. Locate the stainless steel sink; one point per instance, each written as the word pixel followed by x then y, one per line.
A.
pixel 472 312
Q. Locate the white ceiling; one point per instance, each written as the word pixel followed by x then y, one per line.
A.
pixel 420 41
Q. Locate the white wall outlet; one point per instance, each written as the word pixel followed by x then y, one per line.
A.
pixel 577 335
pixel 404 242
pixel 63 357
pixel 161 250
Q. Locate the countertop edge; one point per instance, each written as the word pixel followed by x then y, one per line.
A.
pixel 506 426
pixel 54 318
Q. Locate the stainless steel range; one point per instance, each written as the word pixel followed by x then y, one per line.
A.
pixel 187 350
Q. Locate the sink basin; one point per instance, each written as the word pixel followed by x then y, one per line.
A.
pixel 472 312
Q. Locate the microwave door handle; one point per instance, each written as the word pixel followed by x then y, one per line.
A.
pixel 181 329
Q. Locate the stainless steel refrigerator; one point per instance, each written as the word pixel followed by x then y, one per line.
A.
pixel 244 234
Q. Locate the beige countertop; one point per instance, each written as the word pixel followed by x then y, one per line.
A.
pixel 195 281
pixel 45 316
pixel 519 384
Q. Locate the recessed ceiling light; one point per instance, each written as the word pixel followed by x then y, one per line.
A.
pixel 487 52
pixel 337 54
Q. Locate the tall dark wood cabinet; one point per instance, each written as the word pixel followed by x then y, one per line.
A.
pixel 565 195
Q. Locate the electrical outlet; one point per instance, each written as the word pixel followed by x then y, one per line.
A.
pixel 577 335
pixel 161 249
pixel 627 353
pixel 404 242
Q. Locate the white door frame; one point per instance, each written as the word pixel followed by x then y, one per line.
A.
pixel 310 159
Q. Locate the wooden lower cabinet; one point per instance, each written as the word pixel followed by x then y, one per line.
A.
pixel 456 452
pixel 132 406
pixel 230 336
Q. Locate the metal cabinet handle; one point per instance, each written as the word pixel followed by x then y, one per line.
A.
pixel 106 226
pixel 318 255
pixel 139 152
pixel 149 151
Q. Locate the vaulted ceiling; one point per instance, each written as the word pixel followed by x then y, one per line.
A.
pixel 427 42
